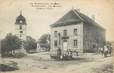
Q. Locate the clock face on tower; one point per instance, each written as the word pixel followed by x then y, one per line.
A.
pixel 20 21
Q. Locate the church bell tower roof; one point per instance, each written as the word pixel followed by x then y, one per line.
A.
pixel 20 20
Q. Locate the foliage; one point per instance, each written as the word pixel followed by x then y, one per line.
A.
pixel 44 38
pixel 9 44
pixel 44 41
pixel 30 44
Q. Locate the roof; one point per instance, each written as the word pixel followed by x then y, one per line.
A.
pixel 22 19
pixel 74 17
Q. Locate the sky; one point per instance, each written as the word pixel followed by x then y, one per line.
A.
pixel 39 20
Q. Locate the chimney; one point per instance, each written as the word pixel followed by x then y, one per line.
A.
pixel 93 17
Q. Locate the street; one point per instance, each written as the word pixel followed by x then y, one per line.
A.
pixel 42 63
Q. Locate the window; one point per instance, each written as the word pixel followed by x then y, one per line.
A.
pixel 59 38
pixel 75 32
pixel 75 43
pixel 55 33
pixel 65 32
pixel 20 27
pixel 55 43
pixel 21 31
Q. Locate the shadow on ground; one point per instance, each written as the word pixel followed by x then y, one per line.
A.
pixel 11 66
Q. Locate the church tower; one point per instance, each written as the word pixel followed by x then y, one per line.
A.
pixel 21 26
pixel 20 29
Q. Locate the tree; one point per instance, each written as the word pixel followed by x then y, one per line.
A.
pixel 30 44
pixel 45 40
pixel 9 44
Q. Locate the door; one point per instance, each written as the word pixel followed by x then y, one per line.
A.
pixel 65 45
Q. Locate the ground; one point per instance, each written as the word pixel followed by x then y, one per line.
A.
pixel 42 63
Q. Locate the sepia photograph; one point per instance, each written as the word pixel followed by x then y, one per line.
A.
pixel 56 36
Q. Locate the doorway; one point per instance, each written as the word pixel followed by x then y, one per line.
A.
pixel 65 45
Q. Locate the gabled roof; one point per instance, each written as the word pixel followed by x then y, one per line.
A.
pixel 73 17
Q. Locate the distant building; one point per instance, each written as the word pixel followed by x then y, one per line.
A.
pixel 43 43
pixel 41 47
pixel 77 31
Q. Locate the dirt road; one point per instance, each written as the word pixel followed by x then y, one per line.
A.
pixel 41 63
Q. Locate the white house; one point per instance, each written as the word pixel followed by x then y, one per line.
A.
pixel 76 31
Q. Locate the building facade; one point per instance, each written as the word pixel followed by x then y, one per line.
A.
pixel 76 31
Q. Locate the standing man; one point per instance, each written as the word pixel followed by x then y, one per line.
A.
pixel 105 51
pixel 101 51
pixel 110 50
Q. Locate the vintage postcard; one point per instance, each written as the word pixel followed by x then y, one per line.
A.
pixel 56 36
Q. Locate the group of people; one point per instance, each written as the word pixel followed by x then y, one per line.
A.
pixel 106 51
